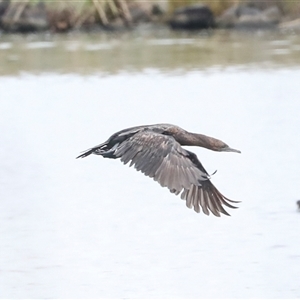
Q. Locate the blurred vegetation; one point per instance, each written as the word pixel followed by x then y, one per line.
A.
pixel 218 6
pixel 291 7
pixel 78 5
pixel 288 7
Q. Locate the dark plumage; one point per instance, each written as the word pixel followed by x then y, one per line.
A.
pixel 156 151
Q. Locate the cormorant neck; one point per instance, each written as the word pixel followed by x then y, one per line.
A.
pixel 200 140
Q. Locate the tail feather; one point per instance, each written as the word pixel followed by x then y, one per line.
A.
pixel 99 149
pixel 86 153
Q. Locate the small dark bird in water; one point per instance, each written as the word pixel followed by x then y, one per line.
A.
pixel 156 151
pixel 298 204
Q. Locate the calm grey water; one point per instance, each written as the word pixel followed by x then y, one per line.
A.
pixel 94 228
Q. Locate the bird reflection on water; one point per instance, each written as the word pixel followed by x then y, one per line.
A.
pixel 156 151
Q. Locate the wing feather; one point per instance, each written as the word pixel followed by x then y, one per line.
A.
pixel 195 199
pixel 204 201
pixel 189 197
pixel 162 158
pixel 212 200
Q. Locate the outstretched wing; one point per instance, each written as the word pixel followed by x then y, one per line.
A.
pixel 162 158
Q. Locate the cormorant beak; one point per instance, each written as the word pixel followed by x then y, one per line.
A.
pixel 228 149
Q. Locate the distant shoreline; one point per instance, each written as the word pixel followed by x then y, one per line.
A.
pixel 119 15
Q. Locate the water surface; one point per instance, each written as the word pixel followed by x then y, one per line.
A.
pixel 94 228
